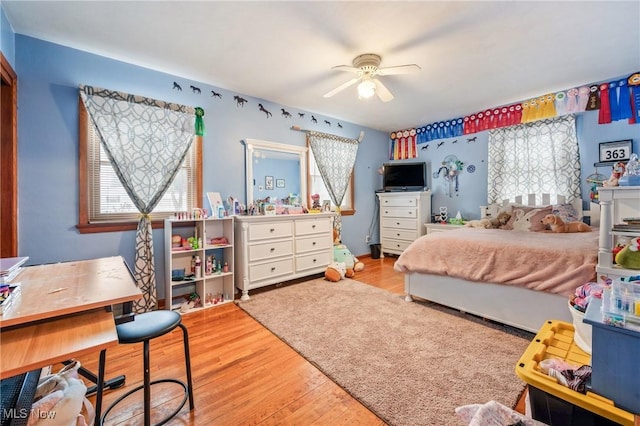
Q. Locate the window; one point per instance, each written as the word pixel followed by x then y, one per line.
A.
pixel 534 158
pixel 316 186
pixel 105 205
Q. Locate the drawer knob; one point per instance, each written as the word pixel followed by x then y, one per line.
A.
pixel 314 260
pixel 398 223
pixel 313 243
pixel 272 229
pixel 273 268
pixel 313 226
pixel 272 249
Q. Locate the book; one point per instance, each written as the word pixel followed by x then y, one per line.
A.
pixel 9 264
pixel 8 295
pixel 626 227
pixel 4 279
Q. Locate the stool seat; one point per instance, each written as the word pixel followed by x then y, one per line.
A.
pixel 148 326
pixel 142 329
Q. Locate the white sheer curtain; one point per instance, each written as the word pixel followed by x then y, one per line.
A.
pixel 534 158
pixel 146 141
pixel 335 157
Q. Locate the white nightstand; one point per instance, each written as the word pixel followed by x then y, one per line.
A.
pixel 439 227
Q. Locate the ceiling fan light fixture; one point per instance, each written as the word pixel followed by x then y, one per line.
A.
pixel 366 89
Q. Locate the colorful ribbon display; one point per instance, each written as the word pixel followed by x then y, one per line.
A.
pixel 616 100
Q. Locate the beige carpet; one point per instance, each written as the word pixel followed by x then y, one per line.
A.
pixel 410 363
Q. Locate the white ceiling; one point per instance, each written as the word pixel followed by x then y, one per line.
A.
pixel 474 55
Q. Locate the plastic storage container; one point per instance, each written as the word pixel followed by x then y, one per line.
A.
pixel 616 368
pixel 582 330
pixel 553 403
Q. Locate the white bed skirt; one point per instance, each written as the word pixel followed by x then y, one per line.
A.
pixel 515 306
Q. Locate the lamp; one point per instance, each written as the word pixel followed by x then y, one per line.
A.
pixel 366 88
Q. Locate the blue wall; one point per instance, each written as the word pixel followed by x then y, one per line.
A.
pixel 7 39
pixel 49 76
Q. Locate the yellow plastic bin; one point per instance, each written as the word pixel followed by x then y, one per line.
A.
pixel 553 403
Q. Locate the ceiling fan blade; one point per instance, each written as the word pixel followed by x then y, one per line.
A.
pixel 347 68
pixel 400 69
pixel 341 87
pixel 381 90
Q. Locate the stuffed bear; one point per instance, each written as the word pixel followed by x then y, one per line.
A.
pixel 629 257
pixel 342 254
pixel 490 223
pixel 337 271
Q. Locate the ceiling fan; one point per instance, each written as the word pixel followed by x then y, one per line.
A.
pixel 367 68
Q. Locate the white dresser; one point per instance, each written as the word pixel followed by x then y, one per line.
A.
pixel 402 218
pixel 274 249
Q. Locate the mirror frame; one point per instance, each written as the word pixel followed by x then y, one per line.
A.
pixel 254 144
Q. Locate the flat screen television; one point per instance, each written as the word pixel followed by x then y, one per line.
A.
pixel 404 176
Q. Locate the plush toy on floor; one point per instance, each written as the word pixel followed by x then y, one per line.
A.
pixel 337 271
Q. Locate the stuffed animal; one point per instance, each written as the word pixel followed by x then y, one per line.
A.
pixel 556 224
pixel 616 174
pixel 342 254
pixel 629 257
pixel 490 223
pixel 337 271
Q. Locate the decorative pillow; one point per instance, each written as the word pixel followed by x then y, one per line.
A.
pixel 527 218
pixel 566 212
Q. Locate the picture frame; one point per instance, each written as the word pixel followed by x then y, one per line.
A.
pixel 279 183
pixel 326 205
pixel 215 203
pixel 268 182
pixel 612 152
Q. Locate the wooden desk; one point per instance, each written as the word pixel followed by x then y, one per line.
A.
pixel 60 313
pixel 57 289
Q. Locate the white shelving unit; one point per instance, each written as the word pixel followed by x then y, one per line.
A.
pixel 216 285
pixel 615 203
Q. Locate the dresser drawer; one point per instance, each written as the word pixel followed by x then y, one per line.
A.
pixel 399 223
pixel 315 226
pixel 269 270
pixel 405 212
pixel 263 231
pixel 395 245
pixel 270 250
pixel 313 261
pixel 307 244
pixel 399 234
pixel 398 202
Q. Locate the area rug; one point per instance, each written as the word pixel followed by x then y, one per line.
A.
pixel 411 363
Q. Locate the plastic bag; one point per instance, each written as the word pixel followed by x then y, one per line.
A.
pixel 60 400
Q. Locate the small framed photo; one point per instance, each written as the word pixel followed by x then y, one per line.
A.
pixel 268 182
pixel 279 183
pixel 326 205
pixel 615 151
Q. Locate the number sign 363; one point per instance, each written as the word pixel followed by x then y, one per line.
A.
pixel 615 151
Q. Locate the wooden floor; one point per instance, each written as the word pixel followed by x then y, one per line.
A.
pixel 242 373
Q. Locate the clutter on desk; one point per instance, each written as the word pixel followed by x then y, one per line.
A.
pixel 9 293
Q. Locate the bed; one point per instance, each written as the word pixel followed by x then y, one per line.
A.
pixel 514 277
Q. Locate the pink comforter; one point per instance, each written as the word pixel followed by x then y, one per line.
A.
pixel 555 263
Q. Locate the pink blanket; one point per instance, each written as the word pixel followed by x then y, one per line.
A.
pixel 555 263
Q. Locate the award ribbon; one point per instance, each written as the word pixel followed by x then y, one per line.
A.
pixel 572 101
pixel 593 102
pixel 604 116
pixel 614 104
pixel 561 99
pixel 624 100
pixel 583 98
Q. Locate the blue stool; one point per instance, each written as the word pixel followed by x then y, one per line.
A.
pixel 143 328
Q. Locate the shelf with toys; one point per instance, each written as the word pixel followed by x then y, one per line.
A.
pixel 199 262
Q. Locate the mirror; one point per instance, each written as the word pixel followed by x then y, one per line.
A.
pixel 275 170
